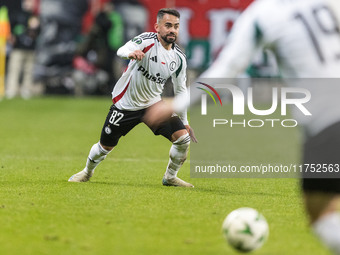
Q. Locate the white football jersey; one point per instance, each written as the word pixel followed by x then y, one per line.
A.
pixel 304 35
pixel 141 84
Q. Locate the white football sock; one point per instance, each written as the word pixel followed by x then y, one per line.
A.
pixel 327 229
pixel 178 154
pixel 97 154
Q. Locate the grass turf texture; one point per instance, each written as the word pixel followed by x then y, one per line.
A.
pixel 124 209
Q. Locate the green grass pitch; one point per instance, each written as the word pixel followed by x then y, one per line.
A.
pixel 124 209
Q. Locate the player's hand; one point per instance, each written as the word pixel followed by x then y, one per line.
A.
pixel 158 113
pixel 136 55
pixel 191 133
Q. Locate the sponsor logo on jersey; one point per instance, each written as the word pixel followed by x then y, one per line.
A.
pixel 154 59
pixel 157 78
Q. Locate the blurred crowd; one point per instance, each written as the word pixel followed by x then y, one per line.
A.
pixel 68 47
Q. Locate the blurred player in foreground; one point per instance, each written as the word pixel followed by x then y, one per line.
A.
pixel 305 37
pixel 154 57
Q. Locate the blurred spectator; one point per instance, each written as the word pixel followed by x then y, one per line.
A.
pixel 25 29
pixel 61 22
pixel 95 55
pixel 13 8
pixel 135 17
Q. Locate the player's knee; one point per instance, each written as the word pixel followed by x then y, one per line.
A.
pixel 182 142
pixel 107 148
pixel 178 134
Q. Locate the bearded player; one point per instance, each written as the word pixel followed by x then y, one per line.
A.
pixel 154 57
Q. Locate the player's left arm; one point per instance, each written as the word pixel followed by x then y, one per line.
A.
pixel 179 79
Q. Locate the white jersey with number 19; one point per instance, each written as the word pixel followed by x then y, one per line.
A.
pixel 303 34
pixel 141 85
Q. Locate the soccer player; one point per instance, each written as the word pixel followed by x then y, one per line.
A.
pixel 305 37
pixel 154 57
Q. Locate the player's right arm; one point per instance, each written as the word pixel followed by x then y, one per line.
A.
pixel 133 49
pixel 136 55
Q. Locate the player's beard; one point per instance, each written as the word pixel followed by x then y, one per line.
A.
pixel 169 40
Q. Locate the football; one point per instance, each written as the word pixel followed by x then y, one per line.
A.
pixel 245 229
